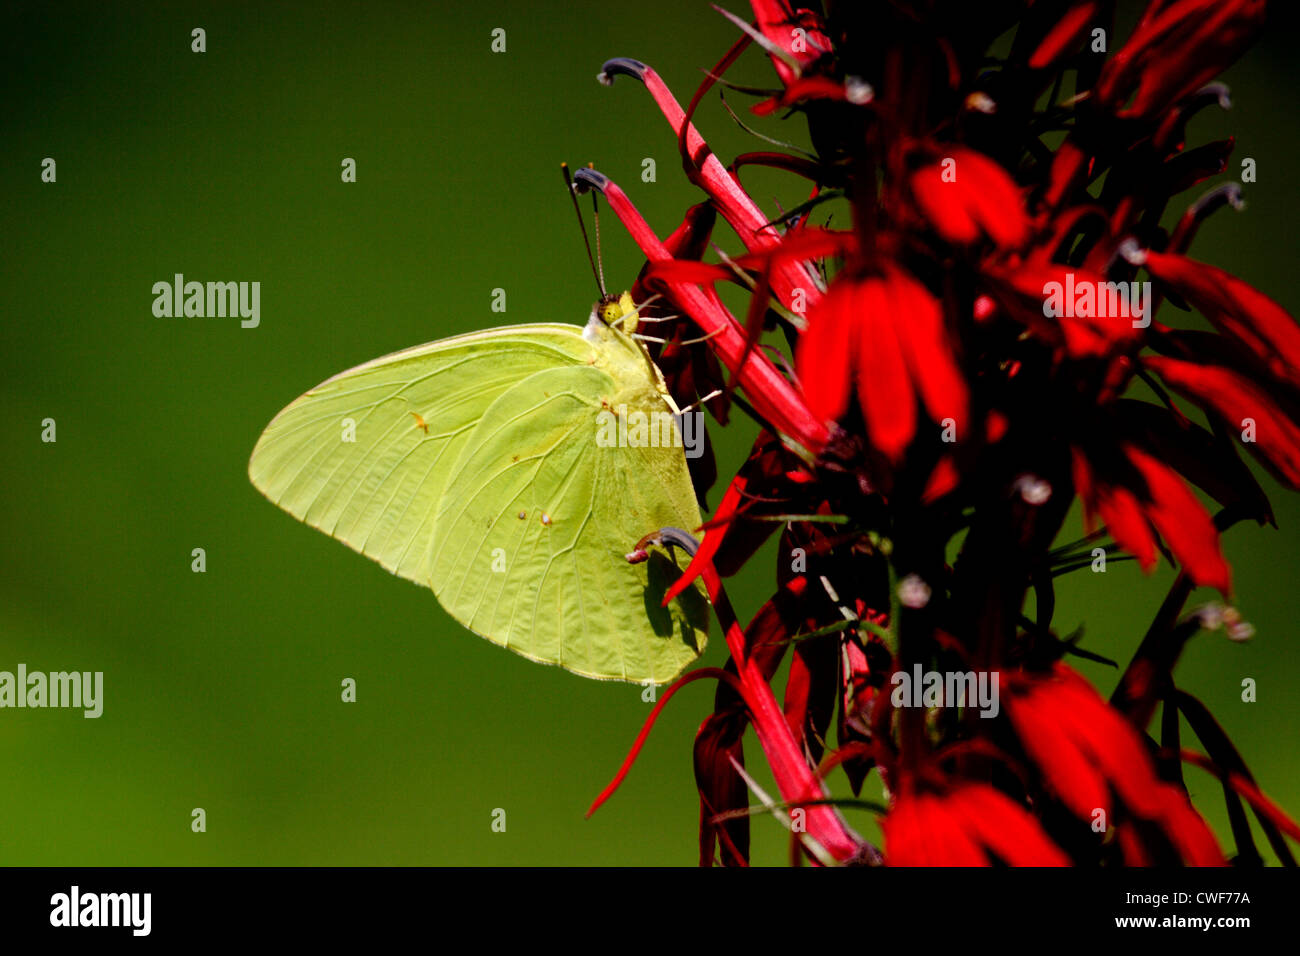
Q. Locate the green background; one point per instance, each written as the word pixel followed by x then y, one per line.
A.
pixel 223 689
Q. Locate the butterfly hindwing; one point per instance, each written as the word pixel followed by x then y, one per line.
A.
pixel 535 524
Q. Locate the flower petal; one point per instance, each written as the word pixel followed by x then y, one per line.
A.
pixel 884 388
pixel 1005 828
pixel 1068 772
pixel 1241 404
pixel 824 357
pixel 918 322
pixel 1236 309
pixel 1183 522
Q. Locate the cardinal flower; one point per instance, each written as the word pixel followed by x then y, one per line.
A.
pixel 966 195
pixel 1094 762
pixel 969 824
pixel 886 335
pixel 984 323
pixel 1153 500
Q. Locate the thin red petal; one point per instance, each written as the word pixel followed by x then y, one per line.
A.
pixel 1005 827
pixel 993 198
pixel 713 537
pixel 884 388
pixel 687 270
pixel 1111 741
pixel 1183 522
pixel 943 479
pixel 824 357
pixel 1065 36
pixel 1187 830
pixel 1120 510
pixel 920 328
pixel 944 205
pixel 1071 776
pixel 1236 400
pixel 1236 309
pixel 715 672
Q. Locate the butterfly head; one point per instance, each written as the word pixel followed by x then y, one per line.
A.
pixel 618 311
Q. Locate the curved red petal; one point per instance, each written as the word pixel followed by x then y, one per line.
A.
pixel 1065 36
pixel 888 403
pixel 1183 522
pixel 919 325
pixel 943 205
pixel 1241 404
pixel 993 198
pixel 1005 828
pixel 1236 309
pixel 824 357
pixel 1069 774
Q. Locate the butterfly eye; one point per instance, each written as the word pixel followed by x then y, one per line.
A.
pixel 610 311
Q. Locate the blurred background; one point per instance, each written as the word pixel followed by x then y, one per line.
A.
pixel 222 689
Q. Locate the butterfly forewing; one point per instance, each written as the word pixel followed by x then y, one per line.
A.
pixel 364 455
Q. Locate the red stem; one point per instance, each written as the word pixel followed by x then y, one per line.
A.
pixel 732 201
pixel 771 393
pixel 794 778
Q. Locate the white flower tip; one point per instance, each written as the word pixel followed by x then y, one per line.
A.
pixel 1133 254
pixel 1034 490
pixel 1211 616
pixel 858 91
pixel 1235 627
pixel 1241 632
pixel 913 592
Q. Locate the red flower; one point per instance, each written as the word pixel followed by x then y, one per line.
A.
pixel 993 286
pixel 1099 332
pixel 888 333
pixel 1096 765
pixel 1239 402
pixel 971 824
pixel 967 195
pixel 1176 48
pixel 1160 502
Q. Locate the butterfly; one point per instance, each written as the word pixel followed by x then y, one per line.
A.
pixel 473 465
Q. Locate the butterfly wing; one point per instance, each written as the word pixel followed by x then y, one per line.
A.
pixel 535 523
pixel 364 456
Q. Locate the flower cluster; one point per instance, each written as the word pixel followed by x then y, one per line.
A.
pixel 971 348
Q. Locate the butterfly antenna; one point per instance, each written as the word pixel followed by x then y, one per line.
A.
pixel 600 263
pixel 701 400
pixel 595 271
